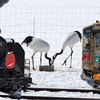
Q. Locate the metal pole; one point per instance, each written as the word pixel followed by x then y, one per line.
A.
pixel 33 36
pixel 33 26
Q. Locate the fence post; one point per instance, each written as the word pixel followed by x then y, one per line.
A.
pixel 33 26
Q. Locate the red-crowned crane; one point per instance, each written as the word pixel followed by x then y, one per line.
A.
pixel 38 45
pixel 69 40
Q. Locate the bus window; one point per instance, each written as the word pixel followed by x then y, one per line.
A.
pixel 98 41
pixel 86 41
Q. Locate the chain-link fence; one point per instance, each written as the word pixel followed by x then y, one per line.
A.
pixel 48 23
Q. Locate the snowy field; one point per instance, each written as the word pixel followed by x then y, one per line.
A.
pixel 63 78
pixel 53 20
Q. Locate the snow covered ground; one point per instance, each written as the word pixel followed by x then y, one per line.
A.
pixel 63 78
pixel 52 22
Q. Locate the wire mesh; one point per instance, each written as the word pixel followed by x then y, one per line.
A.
pixel 52 23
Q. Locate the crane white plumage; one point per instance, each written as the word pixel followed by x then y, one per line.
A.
pixel 38 45
pixel 69 40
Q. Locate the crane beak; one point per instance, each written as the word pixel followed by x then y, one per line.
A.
pixel 53 57
pixel 22 43
pixel 25 43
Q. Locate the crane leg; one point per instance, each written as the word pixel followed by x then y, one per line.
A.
pixel 33 61
pixel 66 60
pixel 40 59
pixel 68 57
pixel 71 59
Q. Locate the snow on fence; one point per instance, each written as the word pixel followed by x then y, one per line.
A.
pixel 50 23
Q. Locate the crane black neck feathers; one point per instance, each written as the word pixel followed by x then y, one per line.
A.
pixel 54 57
pixel 59 53
pixel 27 40
pixel 48 58
pixel 79 34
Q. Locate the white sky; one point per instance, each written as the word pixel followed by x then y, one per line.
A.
pixel 54 3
